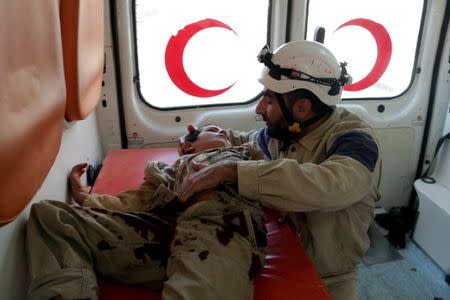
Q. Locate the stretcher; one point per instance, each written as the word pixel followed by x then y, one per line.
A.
pixel 288 273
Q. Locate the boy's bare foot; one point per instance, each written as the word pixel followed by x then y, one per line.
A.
pixel 77 189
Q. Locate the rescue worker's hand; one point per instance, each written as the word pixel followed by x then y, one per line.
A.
pixel 77 190
pixel 207 177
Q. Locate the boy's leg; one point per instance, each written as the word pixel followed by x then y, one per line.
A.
pixel 211 261
pixel 67 244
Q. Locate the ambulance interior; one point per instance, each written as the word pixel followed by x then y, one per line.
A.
pixel 90 81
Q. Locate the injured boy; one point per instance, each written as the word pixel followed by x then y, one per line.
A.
pixel 208 248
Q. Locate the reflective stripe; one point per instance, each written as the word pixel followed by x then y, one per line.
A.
pixel 263 142
pixel 358 145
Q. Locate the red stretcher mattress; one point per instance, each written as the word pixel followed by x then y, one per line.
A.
pixel 288 273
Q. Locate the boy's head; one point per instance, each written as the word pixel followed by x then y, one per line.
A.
pixel 201 139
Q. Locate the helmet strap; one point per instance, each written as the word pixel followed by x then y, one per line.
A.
pixel 293 126
pixel 297 127
pixel 317 117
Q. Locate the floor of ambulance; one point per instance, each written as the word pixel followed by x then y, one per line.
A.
pixel 388 273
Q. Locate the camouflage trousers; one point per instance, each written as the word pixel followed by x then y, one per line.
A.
pixel 209 252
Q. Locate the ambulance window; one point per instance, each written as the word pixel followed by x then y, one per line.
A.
pixel 377 38
pixel 199 52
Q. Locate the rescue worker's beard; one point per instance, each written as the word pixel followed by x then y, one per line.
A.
pixel 283 134
pixel 280 131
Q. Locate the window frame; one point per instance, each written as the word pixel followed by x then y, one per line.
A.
pixel 136 77
pixel 414 70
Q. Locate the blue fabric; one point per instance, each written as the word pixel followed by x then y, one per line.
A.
pixel 262 140
pixel 358 145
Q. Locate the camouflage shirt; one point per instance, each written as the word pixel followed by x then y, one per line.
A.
pixel 162 181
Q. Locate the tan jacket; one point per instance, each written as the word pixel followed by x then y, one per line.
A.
pixel 332 176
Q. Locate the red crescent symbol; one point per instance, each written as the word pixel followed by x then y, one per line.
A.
pixel 174 58
pixel 384 51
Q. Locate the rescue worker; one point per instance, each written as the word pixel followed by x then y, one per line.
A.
pixel 323 161
pixel 146 237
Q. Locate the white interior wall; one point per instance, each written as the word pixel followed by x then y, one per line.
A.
pixel 447 121
pixel 80 143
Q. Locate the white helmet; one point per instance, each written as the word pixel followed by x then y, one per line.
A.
pixel 304 65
